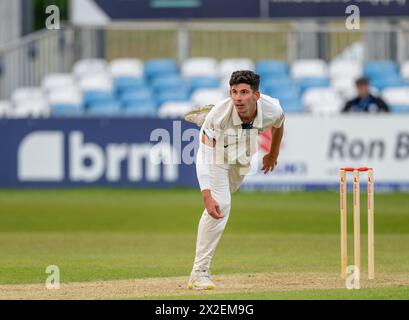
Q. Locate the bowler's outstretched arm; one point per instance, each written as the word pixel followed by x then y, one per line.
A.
pixel 203 175
pixel 270 159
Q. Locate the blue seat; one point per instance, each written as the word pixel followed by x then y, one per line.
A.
pixel 169 82
pixel 135 102
pixel 203 83
pixel 140 110
pixel 276 83
pixel 272 68
pixel 290 90
pixel 307 83
pixel 388 81
pixel 137 95
pixel 376 69
pixel 289 93
pixel 123 84
pixel 105 108
pixel 66 110
pixel 181 94
pixel 399 108
pixel 160 67
pixel 92 97
pixel 291 105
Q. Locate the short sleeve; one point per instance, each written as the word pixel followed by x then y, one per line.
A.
pixel 273 114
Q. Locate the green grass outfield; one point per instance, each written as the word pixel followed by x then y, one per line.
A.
pixel 108 234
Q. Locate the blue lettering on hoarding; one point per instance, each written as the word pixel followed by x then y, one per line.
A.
pixel 291 168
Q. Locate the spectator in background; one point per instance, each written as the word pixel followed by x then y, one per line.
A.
pixel 365 101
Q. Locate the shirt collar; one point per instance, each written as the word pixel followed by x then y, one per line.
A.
pixel 258 121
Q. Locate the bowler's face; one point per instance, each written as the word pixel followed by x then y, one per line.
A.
pixel 244 98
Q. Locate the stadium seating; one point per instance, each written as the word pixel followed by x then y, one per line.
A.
pixel 27 94
pixel 345 86
pixel 104 108
pixel 89 67
pixel 276 84
pixel 174 109
pixel 159 67
pixel 199 67
pixel 404 70
pixel 66 102
pixel 389 80
pixel 129 84
pixel 5 108
pixel 287 92
pixel 307 83
pixel 142 95
pixel 228 66
pixel 203 83
pixel 379 69
pixel 147 109
pixel 207 96
pixel 171 95
pixel 29 102
pixel 272 69
pixel 397 98
pixel 291 105
pixel 57 80
pixel 92 97
pixel 340 68
pixel 96 82
pixel 309 68
pixel 156 88
pixel 31 109
pixel 126 68
pixel 322 101
pixel 167 82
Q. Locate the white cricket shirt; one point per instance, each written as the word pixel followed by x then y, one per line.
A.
pixel 234 144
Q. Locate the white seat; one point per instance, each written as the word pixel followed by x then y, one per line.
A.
pixel 31 109
pixel 65 96
pixel 309 68
pixel 174 109
pixel 57 80
pixel 126 68
pixel 5 108
pixel 228 66
pixel 199 67
pixel 96 82
pixel 404 69
pixel 345 86
pixel 322 101
pixel 345 69
pixel 27 94
pixel 89 66
pixel 396 96
pixel 208 96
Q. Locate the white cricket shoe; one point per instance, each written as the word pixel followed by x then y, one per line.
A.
pixel 200 280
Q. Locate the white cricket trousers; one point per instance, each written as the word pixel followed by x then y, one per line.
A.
pixel 224 180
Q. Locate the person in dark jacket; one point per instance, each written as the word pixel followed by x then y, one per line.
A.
pixel 365 101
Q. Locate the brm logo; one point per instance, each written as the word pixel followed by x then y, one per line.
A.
pixel 41 159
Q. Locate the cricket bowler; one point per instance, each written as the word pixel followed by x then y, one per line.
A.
pixel 228 140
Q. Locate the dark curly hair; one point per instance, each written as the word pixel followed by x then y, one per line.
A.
pixel 245 76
